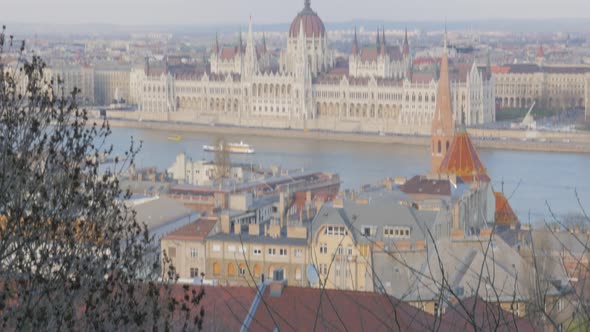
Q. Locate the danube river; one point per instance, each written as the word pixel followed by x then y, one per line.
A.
pixel 530 178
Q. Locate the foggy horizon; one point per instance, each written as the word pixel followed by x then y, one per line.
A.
pixel 223 12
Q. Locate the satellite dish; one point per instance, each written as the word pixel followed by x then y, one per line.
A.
pixel 312 274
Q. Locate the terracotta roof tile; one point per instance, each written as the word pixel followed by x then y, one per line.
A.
pixel 197 230
pixel 302 309
pixel 463 160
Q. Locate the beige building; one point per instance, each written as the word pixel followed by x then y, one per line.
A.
pixel 186 247
pixel 247 254
pixel 110 84
pixel 81 77
pixel 551 86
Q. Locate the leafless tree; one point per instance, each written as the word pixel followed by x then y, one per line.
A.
pixel 72 255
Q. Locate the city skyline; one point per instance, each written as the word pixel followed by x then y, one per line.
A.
pixel 134 12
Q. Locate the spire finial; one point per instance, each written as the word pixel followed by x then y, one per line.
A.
pixel 445 49
pixel 383 33
pixel 307 4
pixel 378 38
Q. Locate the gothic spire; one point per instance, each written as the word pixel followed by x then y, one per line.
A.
pixel 443 125
pixel 382 51
pixel 355 44
pixel 378 38
pixel 216 48
pixel 406 46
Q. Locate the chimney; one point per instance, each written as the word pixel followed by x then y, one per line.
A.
pixel 403 245
pixel 294 232
pixel 420 245
pixel 282 208
pixel 254 229
pixel 457 234
pixel 362 201
pixel 274 231
pixel 225 226
pixel 485 233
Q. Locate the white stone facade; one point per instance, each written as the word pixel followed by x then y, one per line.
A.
pixel 241 86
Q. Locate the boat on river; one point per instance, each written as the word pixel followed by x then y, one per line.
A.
pixel 175 138
pixel 230 147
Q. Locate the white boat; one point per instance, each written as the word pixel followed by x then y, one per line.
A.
pixel 231 148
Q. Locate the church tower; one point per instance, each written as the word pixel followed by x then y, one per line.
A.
pixel 251 59
pixel 443 126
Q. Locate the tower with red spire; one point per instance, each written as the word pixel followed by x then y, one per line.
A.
pixel 443 125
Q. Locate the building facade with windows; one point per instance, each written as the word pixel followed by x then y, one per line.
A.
pixel 372 90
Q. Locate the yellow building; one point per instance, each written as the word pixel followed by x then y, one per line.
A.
pixel 248 254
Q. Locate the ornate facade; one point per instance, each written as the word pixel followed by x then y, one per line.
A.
pixel 373 92
pixel 551 86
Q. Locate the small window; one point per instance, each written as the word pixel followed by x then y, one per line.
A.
pixel 257 252
pixel 216 248
pixel 367 231
pixel 194 252
pixel 231 248
pixel 194 272
pixel 323 248
pixel 272 251
pixel 298 252
pixel 283 252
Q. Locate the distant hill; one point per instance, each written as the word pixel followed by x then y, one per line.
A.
pixel 543 26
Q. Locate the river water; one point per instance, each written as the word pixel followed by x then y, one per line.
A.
pixel 532 180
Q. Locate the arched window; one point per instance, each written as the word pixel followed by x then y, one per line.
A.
pixel 257 270
pixel 231 269
pixel 448 144
pixel 216 268
pixel 439 147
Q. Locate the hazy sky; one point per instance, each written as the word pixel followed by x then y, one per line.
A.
pixel 279 11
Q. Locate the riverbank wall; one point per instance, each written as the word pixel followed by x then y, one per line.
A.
pixel 483 138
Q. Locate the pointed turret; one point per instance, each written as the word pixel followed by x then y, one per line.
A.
pixel 383 50
pixel 240 44
pixel 378 39
pixel 355 44
pixel 264 43
pixel 251 60
pixel 463 160
pixel 443 126
pixel 216 46
pixel 406 46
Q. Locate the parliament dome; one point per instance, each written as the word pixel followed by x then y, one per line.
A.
pixel 312 23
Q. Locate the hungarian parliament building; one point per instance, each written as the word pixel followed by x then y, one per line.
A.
pixel 306 86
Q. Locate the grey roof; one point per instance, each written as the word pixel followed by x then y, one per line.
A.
pixel 160 211
pixel 260 239
pixel 384 208
pixel 505 274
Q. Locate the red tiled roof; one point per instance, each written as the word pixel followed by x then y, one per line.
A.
pixel 309 309
pixel 228 53
pixel 422 185
pixel 486 316
pixel 463 160
pixel 197 230
pixel 504 213
pixel 423 77
pixel 369 54
pixel 225 307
